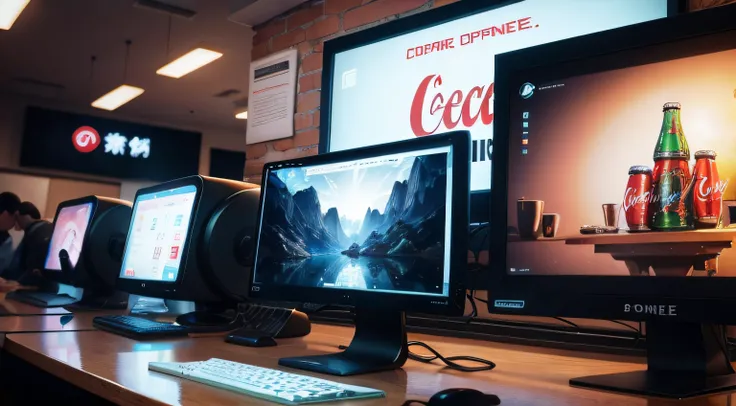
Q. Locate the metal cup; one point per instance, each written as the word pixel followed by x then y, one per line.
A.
pixel 529 218
pixel 610 214
pixel 550 224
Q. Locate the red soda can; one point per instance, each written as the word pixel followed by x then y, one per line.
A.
pixel 708 190
pixel 636 198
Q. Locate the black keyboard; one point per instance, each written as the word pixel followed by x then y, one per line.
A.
pixel 42 299
pixel 139 328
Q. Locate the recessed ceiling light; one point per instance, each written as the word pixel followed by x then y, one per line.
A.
pixel 242 116
pixel 9 12
pixel 117 97
pixel 188 63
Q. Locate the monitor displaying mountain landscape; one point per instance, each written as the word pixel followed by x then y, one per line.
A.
pixel 378 224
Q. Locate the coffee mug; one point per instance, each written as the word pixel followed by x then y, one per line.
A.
pixel 550 224
pixel 529 218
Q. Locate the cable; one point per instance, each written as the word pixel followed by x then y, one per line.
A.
pixel 638 331
pixel 450 361
pixel 568 322
pixel 474 309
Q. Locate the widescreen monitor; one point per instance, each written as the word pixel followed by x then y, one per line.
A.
pixel 613 167
pixel 380 228
pixel 190 240
pixel 435 72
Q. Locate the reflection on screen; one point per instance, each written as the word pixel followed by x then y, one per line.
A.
pixel 371 224
pixel 612 149
pixel 158 232
pixel 70 228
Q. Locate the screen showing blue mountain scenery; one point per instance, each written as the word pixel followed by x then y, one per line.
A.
pixel 379 224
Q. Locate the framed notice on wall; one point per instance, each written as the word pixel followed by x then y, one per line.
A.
pixel 271 98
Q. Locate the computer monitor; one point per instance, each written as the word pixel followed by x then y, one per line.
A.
pixel 380 228
pixel 611 171
pixel 86 247
pixel 191 240
pixel 441 65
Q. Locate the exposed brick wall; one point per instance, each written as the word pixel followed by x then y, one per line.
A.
pixel 306 28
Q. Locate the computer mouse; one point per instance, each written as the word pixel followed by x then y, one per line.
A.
pixel 465 397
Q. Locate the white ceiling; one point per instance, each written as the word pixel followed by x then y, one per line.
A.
pixel 53 41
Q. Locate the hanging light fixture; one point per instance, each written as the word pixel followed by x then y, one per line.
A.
pixel 188 62
pixel 123 93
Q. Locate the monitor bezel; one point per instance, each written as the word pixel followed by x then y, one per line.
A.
pixel 160 288
pixel 695 299
pixel 479 199
pixel 60 276
pixel 454 303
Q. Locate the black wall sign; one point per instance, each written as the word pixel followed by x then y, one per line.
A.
pixel 112 148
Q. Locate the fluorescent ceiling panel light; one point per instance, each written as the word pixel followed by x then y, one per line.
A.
pixel 242 116
pixel 9 12
pixel 117 97
pixel 189 62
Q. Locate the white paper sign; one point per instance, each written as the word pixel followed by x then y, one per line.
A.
pixel 271 99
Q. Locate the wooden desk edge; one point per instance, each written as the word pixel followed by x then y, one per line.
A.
pixel 92 383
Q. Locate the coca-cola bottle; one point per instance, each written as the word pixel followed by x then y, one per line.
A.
pixel 671 201
pixel 707 189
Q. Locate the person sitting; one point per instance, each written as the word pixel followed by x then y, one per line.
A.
pixel 9 203
pixel 36 233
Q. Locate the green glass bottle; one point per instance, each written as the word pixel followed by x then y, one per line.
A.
pixel 672 143
pixel 670 205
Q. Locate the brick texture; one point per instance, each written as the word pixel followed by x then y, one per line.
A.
pixel 305 28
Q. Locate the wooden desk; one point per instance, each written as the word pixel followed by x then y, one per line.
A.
pixel 44 324
pixel 10 307
pixel 116 369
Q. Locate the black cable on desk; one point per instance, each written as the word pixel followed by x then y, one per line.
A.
pixel 448 361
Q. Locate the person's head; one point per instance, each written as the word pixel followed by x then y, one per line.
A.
pixel 27 215
pixel 9 203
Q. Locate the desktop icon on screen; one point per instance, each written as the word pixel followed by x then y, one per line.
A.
pixel 349 79
pixel 174 252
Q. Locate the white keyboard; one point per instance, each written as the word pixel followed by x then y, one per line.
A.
pixel 270 384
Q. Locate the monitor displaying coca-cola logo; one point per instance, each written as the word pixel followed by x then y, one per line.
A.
pixel 437 77
pixel 637 162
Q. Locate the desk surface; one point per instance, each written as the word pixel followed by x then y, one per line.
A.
pixel 10 307
pixel 116 368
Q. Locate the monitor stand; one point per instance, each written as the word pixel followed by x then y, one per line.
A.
pixel 379 344
pixel 684 360
pixel 211 316
pixel 92 300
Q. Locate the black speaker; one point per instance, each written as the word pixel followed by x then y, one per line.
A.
pixel 227 164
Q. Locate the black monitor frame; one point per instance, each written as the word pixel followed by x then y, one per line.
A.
pixel 595 296
pixel 60 276
pixel 159 288
pixel 380 341
pixel 454 304
pixel 479 200
pixel 685 336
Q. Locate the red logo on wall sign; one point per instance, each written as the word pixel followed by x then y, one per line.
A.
pixel 86 139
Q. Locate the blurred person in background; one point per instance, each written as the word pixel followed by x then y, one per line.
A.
pixel 28 220
pixel 9 204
